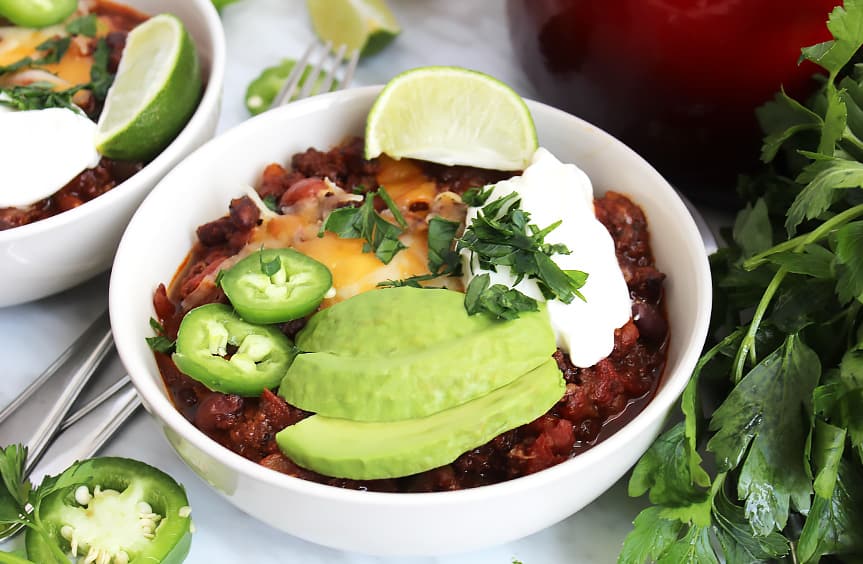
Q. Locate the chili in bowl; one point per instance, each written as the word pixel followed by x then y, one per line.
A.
pixel 54 238
pixel 548 469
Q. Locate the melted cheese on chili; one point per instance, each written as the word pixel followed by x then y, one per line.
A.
pixel 353 270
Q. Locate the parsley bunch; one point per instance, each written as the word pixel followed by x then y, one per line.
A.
pixel 767 464
pixel 20 501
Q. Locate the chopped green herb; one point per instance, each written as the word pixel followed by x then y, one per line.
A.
pixel 100 78
pixel 477 196
pixel 38 96
pixel 496 300
pixel 502 235
pixel 53 50
pixel 85 25
pixel 270 267
pixel 364 222
pixel 271 203
pixel 159 342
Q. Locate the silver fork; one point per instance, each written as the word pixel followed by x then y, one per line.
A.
pixel 328 60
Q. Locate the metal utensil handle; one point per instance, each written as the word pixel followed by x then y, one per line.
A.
pixel 131 402
pixel 51 424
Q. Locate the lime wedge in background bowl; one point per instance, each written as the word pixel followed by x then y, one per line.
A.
pixel 452 116
pixel 154 93
pixel 367 25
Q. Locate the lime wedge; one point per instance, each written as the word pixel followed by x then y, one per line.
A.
pixel 154 94
pixel 452 116
pixel 367 25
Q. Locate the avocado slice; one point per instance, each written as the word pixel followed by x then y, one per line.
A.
pixel 372 450
pixel 391 321
pixel 374 386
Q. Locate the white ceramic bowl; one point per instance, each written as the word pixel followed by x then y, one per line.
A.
pixel 199 189
pixel 45 257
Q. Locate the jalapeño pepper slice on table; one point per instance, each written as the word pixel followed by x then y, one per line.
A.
pixel 229 355
pixel 113 510
pixel 276 285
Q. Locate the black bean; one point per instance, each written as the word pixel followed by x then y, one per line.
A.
pixel 651 325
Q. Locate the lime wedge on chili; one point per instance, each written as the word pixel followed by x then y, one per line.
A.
pixel 367 25
pixel 154 94
pixel 452 116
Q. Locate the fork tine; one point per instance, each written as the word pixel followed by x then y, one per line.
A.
pixel 289 87
pixel 352 66
pixel 338 58
pixel 315 72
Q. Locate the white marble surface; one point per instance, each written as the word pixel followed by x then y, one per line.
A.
pixel 469 33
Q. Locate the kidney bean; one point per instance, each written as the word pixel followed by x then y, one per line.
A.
pixel 650 322
pixel 218 412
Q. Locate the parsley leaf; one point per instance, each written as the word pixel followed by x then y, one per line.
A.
pixel 441 234
pixel 477 196
pixel 833 525
pixel 271 203
pixel 16 490
pixel 53 50
pixel 760 425
pixel 160 342
pixel 496 300
pixel 100 78
pixel 823 179
pixel 38 96
pixel 364 222
pixel 735 534
pixel 501 235
pixel 650 537
pixel 85 25
pixel 752 230
pixel 849 252
pixel 846 26
pixel 270 267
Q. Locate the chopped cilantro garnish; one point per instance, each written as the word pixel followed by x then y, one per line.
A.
pixel 271 203
pixel 502 235
pixel 363 222
pixel 159 342
pixel 270 267
pixel 38 96
pixel 85 25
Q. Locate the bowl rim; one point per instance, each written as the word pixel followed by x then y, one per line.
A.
pixel 161 164
pixel 156 399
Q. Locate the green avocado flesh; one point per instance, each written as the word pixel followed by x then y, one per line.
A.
pixel 374 450
pixel 392 321
pixel 379 379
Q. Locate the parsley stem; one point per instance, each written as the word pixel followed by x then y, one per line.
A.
pixel 801 241
pixel 796 245
pixel 748 344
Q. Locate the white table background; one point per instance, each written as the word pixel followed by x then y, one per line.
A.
pixel 470 33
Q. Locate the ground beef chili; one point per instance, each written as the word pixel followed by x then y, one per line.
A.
pixel 596 401
pixel 108 173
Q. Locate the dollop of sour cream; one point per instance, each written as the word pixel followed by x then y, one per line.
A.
pixel 41 151
pixel 550 191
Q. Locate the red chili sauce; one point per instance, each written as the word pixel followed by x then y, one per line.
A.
pixel 597 399
pixel 108 173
